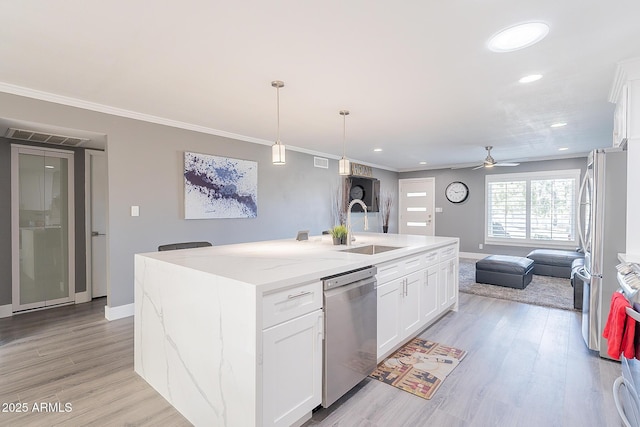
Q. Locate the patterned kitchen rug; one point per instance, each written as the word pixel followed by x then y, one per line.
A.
pixel 419 367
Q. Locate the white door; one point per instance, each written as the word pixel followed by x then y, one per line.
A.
pixel 452 281
pixel 292 369
pixel 444 276
pixel 416 206
pixel 429 295
pixel 410 310
pixel 389 303
pixel 96 162
pixel 43 268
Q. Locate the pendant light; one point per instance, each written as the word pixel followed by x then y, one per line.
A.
pixel 344 166
pixel 277 149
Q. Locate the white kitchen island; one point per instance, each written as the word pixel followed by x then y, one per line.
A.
pixel 231 335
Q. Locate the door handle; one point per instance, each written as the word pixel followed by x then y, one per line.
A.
pixel 95 233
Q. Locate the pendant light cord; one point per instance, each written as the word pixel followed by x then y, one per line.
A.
pixel 344 136
pixel 278 110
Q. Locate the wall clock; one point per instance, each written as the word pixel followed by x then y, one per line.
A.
pixel 457 192
pixel 356 192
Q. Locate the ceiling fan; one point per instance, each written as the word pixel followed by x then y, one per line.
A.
pixel 490 162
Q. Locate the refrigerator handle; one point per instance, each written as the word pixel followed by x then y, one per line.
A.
pixel 583 275
pixel 580 194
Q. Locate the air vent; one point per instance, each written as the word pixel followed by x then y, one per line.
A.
pixel 47 138
pixel 321 162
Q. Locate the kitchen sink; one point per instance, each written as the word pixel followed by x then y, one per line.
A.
pixel 370 249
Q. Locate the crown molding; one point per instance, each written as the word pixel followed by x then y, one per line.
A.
pixel 625 70
pixel 129 114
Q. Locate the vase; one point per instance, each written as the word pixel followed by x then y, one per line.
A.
pixel 385 228
pixel 337 241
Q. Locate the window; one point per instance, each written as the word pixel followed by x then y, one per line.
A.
pixel 533 209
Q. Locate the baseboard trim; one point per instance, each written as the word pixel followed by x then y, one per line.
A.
pixel 6 310
pixel 118 312
pixel 472 255
pixel 82 297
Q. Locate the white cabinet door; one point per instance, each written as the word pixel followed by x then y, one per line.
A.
pixel 452 282
pixel 410 307
pixel 389 299
pixel 443 284
pixel 429 295
pixel 292 369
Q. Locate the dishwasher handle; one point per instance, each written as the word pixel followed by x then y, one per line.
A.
pixel 362 286
pixel 349 277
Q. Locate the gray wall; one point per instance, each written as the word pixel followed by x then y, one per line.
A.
pixel 5 218
pixel 466 220
pixel 145 163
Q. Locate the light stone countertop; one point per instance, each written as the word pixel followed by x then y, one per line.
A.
pixel 275 264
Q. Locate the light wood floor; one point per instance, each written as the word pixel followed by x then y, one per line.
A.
pixel 526 366
pixel 73 355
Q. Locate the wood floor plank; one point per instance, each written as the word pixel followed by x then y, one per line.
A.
pixel 73 355
pixel 526 366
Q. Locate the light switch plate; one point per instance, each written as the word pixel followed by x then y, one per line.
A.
pixel 438 209
pixel 135 210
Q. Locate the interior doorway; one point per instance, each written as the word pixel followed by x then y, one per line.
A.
pixel 42 227
pixel 96 214
pixel 416 206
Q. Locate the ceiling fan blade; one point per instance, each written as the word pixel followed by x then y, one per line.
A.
pixel 478 167
pixel 507 164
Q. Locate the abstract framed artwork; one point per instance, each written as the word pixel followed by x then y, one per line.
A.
pixel 219 187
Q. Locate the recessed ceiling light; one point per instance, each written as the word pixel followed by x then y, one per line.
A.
pixel 530 78
pixel 518 37
pixel 377 149
pixel 423 163
pixel 563 149
pixel 558 125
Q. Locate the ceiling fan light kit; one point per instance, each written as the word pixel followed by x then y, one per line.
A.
pixel 490 162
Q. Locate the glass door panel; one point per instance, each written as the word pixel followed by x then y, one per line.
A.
pixel 44 228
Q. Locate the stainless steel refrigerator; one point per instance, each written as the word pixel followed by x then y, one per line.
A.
pixel 603 202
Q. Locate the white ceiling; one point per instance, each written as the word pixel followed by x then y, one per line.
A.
pixel 416 75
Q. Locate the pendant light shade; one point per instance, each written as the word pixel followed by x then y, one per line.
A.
pixel 277 149
pixel 344 165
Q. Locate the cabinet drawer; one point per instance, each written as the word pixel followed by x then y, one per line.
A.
pixel 389 271
pixel 393 269
pixel 287 304
pixel 431 258
pixel 412 264
pixel 448 252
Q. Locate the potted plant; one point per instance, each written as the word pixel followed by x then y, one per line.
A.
pixel 339 234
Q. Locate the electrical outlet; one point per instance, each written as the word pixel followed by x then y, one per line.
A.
pixel 480 246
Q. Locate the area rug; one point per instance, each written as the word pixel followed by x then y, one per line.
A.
pixel 545 291
pixel 419 367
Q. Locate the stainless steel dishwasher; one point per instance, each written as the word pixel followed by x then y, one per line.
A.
pixel 350 342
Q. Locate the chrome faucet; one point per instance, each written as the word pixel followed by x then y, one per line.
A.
pixel 366 221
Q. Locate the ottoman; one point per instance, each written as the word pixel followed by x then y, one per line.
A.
pixel 553 262
pixel 502 270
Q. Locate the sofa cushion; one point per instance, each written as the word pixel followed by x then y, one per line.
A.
pixel 554 257
pixel 505 264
